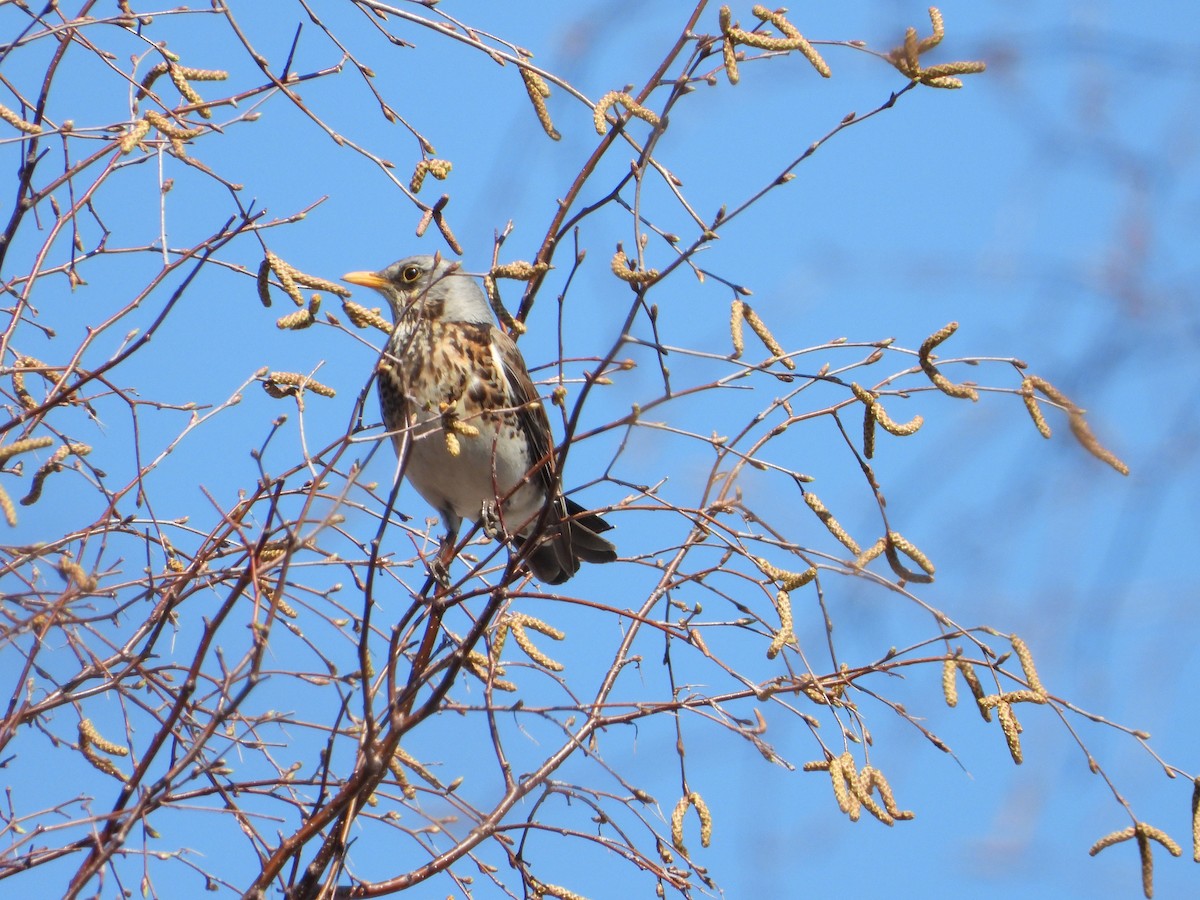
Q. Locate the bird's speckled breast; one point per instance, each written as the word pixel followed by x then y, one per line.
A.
pixel 432 363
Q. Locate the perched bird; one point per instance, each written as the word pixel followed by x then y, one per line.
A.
pixel 467 422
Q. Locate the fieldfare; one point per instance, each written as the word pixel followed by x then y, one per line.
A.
pixel 467 423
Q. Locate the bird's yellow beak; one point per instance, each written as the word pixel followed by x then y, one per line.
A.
pixel 366 279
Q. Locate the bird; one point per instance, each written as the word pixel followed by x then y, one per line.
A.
pixel 468 424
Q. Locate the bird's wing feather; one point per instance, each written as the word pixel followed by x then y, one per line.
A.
pixel 531 415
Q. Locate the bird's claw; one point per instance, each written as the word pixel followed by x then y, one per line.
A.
pixel 489 521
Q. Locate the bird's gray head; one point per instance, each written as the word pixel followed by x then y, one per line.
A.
pixel 429 288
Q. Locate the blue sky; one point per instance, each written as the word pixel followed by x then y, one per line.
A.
pixel 1050 207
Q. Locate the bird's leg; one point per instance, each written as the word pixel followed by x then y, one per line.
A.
pixel 440 569
pixel 490 522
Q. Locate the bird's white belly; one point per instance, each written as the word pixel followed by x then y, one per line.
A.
pixel 477 475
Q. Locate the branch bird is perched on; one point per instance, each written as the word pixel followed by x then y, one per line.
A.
pixel 467 422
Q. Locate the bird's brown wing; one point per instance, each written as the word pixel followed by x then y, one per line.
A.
pixel 571 533
pixel 531 415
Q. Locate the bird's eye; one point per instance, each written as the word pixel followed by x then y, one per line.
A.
pixel 410 274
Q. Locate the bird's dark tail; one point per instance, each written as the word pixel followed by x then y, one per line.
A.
pixel 575 538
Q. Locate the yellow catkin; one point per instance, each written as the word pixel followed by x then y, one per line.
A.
pixel 263 282
pixel 876 413
pixel 411 762
pixel 833 525
pixel 49 467
pixel 182 76
pixel 1012 731
pixel 873 778
pixel 762 41
pixel 909 549
pixel 410 792
pixel 844 775
pixel 939 31
pixel 89 735
pixel 612 97
pixel 557 891
pixel 759 327
pixel 950 681
pixel 74 573
pixel 102 763
pixel 1083 434
pixel 464 428
pixel 861 394
pixel 785 578
pixel 444 228
pixel 498 641
pixel 852 792
pixel 620 268
pixel 482 668
pixel 872 552
pixel 361 317
pixel 792 39
pixel 677 815
pixel 18 381
pixel 724 18
pixel 17 122
pixel 862 790
pixel 702 812
pixel 946 71
pixel 1076 420
pixel 517 624
pixel 189 93
pixel 286 274
pixel 1035 410
pixel 304 382
pixel 1049 391
pixel 538 91
pixel 170 129
pixel 973 682
pixel 193 74
pixel 303 279
pixel 273 550
pixel 786 635
pixel 1026 659
pixel 23 446
pixel 538 625
pixel 907 58
pixel 1022 696
pixel 1147 857
pixel 736 318
pixel 150 77
pixel 729 54
pixel 1143 833
pixel 277 392
pixel 1157 834
pixel 296 321
pixel 10 511
pixel 134 136
pixel 1114 837
pixel 944 384
pixel 1196 819
pixel 900 429
pixel 438 168
pixel 519 270
pixel 842 784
